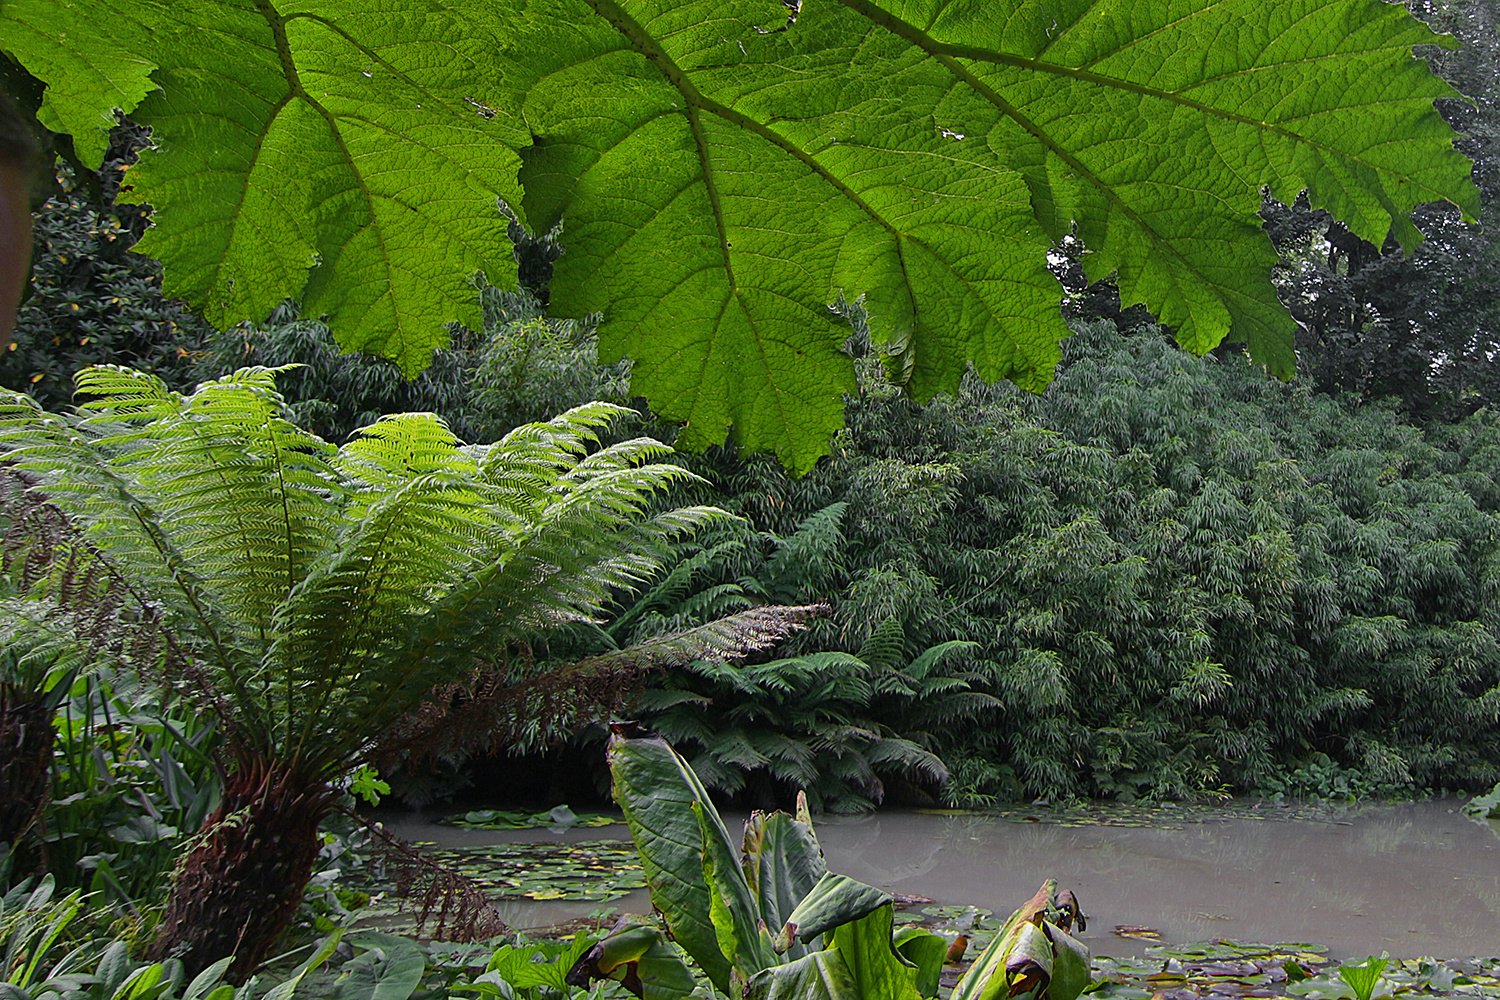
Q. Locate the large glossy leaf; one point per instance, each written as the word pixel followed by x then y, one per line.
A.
pixel 834 901
pixel 782 862
pixel 732 906
pixel 390 969
pixel 724 169
pixel 860 963
pixel 663 802
pixel 637 956
pixel 927 951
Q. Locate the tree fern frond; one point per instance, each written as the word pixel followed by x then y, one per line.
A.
pixel 933 686
pixel 386 454
pixel 958 706
pixel 719 641
pixel 243 491
pixel 893 683
pixel 780 746
pixel 593 686
pixel 712 602
pixel 734 746
pixel 126 395
pixel 566 564
pixel 716 775
pixel 908 756
pixel 624 455
pixel 558 442
pixel 682 724
pixel 659 700
pixel 938 655
pixel 886 646
pixel 811 554
pixel 852 689
pixel 73 606
pixel 677 584
pixel 105 505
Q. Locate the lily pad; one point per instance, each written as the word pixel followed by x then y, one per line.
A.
pixel 1168 815
pixel 587 870
pixel 560 817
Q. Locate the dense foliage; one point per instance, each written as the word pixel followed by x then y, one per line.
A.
pixel 1380 320
pixel 1199 594
pixel 724 172
pixel 325 604
pixel 92 299
pixel 1180 577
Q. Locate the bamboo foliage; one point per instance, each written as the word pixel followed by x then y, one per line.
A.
pixel 1181 577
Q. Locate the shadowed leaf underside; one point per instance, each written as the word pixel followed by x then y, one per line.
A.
pixel 723 171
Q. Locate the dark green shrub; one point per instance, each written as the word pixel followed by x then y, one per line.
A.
pixel 523 367
pixel 92 299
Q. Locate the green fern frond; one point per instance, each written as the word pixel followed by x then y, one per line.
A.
pixel 852 689
pixel 714 602
pixel 939 655
pixel 666 592
pixel 683 724
pixel 907 756
pixel 736 747
pixel 886 646
pixel 810 556
pixel 780 746
pixel 80 478
pixel 659 700
pixel 630 454
pixel 718 641
pixel 243 492
pixel 126 394
pixel 716 775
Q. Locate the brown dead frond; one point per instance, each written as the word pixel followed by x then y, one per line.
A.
pixel 433 891
pixel 46 556
pixel 522 705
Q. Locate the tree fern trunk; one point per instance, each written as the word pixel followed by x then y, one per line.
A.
pixel 239 886
pixel 26 737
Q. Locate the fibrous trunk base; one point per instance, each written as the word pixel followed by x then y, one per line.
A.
pixel 26 738
pixel 239 887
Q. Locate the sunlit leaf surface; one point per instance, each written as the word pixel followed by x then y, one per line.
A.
pixel 725 170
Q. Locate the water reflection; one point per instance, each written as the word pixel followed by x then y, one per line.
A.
pixel 1415 879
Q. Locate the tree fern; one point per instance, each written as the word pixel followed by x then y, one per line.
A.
pixel 835 725
pixel 322 595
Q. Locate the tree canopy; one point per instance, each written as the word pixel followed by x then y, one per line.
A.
pixel 724 171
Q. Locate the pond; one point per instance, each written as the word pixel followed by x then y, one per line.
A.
pixel 1411 879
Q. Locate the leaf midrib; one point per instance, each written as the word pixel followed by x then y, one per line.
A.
pixel 951 50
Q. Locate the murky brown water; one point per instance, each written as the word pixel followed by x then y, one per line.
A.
pixel 1414 879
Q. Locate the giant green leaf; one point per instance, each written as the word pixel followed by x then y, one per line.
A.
pixel 725 169
pixel 341 153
